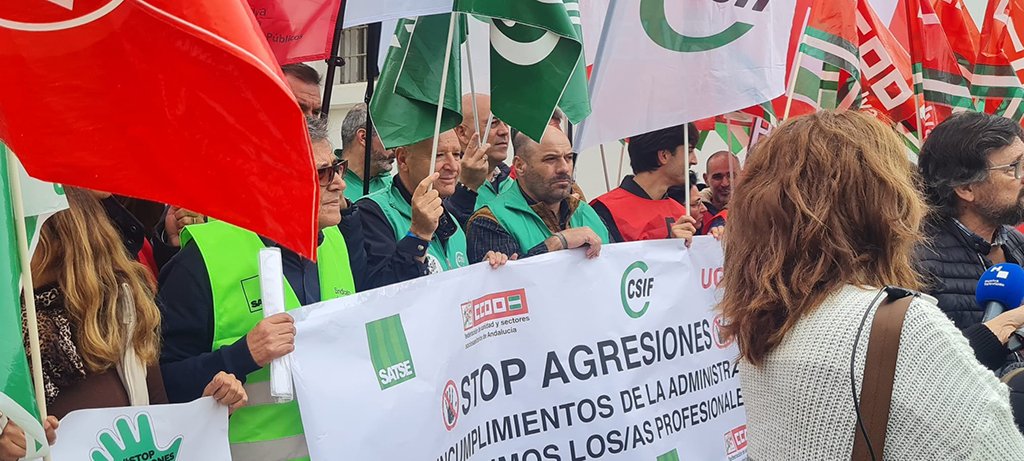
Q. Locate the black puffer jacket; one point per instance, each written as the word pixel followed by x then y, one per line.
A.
pixel 951 268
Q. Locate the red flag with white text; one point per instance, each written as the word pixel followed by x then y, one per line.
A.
pixel 297 30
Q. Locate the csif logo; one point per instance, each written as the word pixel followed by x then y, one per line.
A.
pixel 636 289
pixel 655 23
pixel 389 352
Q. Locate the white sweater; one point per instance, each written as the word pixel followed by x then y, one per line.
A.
pixel 945 405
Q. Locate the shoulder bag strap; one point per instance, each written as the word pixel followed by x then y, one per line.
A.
pixel 879 374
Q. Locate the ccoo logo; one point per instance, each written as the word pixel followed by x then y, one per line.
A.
pixel 53 15
pixel 636 289
pixel 656 25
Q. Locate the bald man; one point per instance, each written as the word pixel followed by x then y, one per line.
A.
pixel 409 233
pixel 496 174
pixel 544 213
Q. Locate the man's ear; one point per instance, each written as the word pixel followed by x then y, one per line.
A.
pixel 518 164
pixel 663 157
pixel 402 158
pixel 966 193
pixel 361 136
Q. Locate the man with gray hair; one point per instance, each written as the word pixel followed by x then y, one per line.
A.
pixel 353 143
pixel 212 309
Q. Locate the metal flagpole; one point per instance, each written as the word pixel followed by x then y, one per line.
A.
pixel 372 43
pixel 472 86
pixel 25 260
pixel 604 166
pixel 440 97
pixel 333 61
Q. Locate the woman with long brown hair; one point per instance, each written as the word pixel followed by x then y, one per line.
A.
pixel 99 325
pixel 828 215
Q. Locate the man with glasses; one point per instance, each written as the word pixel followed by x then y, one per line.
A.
pixel 971 171
pixel 544 212
pixel 213 321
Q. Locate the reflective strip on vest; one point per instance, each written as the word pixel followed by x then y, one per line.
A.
pixel 290 448
pixel 450 254
pixel 231 257
pixel 512 211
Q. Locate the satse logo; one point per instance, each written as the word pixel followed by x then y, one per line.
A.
pixel 636 289
pixel 389 352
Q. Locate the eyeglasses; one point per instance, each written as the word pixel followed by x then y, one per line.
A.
pixel 327 173
pixel 1018 168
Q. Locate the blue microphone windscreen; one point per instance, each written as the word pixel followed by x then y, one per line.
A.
pixel 1002 283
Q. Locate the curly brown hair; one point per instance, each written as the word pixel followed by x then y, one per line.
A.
pixel 829 199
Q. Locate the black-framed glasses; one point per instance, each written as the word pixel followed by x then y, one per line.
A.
pixel 1018 168
pixel 327 173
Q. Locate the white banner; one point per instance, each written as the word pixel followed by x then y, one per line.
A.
pixel 185 431
pixel 662 63
pixel 554 357
pixel 359 12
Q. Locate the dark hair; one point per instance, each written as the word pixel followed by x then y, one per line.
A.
pixel 303 72
pixel 644 148
pixel 956 154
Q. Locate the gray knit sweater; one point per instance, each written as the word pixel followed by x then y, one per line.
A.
pixel 945 405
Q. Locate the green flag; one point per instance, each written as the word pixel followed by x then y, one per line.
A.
pixel 404 105
pixel 41 200
pixel 536 61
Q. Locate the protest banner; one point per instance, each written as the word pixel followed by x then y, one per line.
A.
pixel 184 431
pixel 554 357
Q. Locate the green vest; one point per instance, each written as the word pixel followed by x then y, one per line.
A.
pixel 448 255
pixel 487 192
pixel 517 218
pixel 263 429
pixel 354 184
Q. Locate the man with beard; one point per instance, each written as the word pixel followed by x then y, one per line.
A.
pixel 543 212
pixel 971 166
pixel 353 140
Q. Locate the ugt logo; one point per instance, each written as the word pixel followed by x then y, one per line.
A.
pixel 636 289
pixel 655 24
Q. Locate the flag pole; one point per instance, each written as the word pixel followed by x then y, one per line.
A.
pixel 371 76
pixel 604 166
pixel 25 259
pixel 796 66
pixel 333 61
pixel 440 97
pixel 472 85
pixel 622 153
pixel 728 141
pixel 686 182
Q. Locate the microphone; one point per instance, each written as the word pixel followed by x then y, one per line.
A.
pixel 1001 287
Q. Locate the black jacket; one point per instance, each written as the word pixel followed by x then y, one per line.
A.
pixel 951 267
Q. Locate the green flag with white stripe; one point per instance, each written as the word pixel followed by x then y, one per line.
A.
pixel 404 105
pixel 536 61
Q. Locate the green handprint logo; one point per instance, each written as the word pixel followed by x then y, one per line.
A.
pixel 141 448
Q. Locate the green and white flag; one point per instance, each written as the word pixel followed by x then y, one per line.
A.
pixel 404 104
pixel 41 200
pixel 537 61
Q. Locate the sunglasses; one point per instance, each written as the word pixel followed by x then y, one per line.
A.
pixel 327 173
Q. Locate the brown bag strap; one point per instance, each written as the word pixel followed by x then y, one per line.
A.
pixel 879 374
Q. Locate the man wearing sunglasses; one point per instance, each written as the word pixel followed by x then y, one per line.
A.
pixel 971 167
pixel 213 317
pixel 409 231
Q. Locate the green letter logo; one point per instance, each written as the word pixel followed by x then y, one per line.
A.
pixel 132 447
pixel 652 16
pixel 389 351
pixel 635 290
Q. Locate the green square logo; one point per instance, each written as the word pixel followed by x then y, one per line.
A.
pixel 670 456
pixel 515 302
pixel 389 352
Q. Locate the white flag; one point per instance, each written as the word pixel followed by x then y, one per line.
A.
pixel 359 12
pixel 665 63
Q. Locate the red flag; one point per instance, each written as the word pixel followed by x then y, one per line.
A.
pixel 963 34
pixel 998 70
pixel 179 102
pixel 297 31
pixel 885 68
